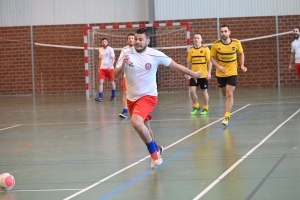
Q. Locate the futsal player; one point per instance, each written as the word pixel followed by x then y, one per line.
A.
pixel 140 67
pixel 295 51
pixel 199 59
pixel 224 54
pixel 129 47
pixel 105 69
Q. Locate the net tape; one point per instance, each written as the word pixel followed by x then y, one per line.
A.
pixel 184 46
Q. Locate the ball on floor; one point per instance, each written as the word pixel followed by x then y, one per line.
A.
pixel 7 181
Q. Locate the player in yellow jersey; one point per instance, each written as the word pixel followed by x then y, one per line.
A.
pixel 199 59
pixel 224 54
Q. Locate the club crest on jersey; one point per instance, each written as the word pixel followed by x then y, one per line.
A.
pixel 233 48
pixel 148 66
pixel 201 51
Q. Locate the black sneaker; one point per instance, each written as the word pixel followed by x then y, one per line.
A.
pixel 123 115
pixel 112 98
pixel 98 99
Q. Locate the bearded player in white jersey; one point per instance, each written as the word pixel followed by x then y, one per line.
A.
pixel 295 51
pixel 140 66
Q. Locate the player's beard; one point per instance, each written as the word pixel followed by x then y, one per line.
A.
pixel 296 36
pixel 224 38
pixel 141 50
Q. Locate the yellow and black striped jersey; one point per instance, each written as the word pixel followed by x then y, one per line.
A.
pixel 226 55
pixel 199 58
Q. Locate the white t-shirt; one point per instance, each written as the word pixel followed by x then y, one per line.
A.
pixel 296 49
pixel 106 56
pixel 141 73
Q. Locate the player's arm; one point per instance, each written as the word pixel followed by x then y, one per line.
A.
pixel 292 59
pixel 242 60
pixel 177 67
pixel 215 63
pixel 112 62
pixel 119 69
pixel 189 63
pixel 209 66
pixel 213 59
pixel 189 66
pixel 99 63
pixel 121 56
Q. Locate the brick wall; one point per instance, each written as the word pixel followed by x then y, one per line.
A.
pixel 260 55
pixel 288 78
pixel 61 71
pixel 15 61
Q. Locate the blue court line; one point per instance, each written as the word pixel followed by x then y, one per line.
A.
pixel 175 156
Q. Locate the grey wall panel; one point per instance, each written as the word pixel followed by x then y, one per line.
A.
pixel 50 12
pixel 11 11
pixel 194 9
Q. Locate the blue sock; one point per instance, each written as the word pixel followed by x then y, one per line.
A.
pixel 151 147
pixel 155 145
pixel 113 93
pixel 100 95
pixel 125 110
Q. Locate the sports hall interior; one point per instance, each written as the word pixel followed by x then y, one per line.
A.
pixel 59 143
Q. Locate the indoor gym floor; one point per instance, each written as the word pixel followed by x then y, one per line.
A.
pixel 70 147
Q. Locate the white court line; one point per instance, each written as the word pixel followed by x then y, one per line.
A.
pixel 243 158
pixel 97 122
pixel 118 172
pixel 10 127
pixel 204 128
pixel 50 190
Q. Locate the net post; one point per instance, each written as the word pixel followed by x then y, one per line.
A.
pixel 154 26
pixel 86 60
pixel 188 33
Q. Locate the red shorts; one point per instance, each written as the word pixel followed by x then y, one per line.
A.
pixel 103 73
pixel 143 106
pixel 297 66
pixel 124 84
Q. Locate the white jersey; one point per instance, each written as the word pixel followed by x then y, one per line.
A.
pixel 141 72
pixel 123 53
pixel 106 56
pixel 296 49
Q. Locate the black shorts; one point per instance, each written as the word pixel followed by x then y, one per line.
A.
pixel 201 82
pixel 230 80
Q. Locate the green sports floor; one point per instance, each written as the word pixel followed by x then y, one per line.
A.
pixel 65 147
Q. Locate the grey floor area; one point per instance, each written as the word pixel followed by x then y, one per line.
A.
pixel 72 147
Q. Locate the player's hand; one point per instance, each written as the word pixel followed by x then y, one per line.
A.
pixel 126 60
pixel 197 75
pixel 244 68
pixel 222 69
pixel 290 67
pixel 187 76
pixel 208 76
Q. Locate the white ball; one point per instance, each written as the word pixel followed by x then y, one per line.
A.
pixel 7 181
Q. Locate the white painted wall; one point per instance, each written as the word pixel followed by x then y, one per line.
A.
pixel 55 12
pixel 194 9
pixel 52 12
